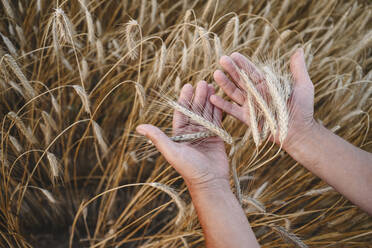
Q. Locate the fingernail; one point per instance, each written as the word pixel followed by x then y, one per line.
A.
pixel 301 50
pixel 224 57
pixel 187 85
pixel 141 130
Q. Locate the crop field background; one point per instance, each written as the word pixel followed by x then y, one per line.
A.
pixel 77 77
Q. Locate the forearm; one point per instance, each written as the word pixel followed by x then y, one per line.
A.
pixel 221 217
pixel 345 167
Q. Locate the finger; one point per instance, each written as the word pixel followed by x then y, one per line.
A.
pixel 247 66
pixel 231 68
pixel 229 87
pixel 208 109
pixel 179 119
pixel 228 107
pixel 252 71
pixel 298 68
pixel 160 140
pixel 200 97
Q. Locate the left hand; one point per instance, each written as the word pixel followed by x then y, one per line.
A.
pixel 202 164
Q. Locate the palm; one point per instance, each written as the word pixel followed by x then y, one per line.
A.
pixel 205 159
pixel 201 160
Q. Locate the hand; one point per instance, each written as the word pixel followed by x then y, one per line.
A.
pixel 301 102
pixel 202 164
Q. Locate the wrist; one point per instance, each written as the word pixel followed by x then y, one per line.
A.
pixel 306 147
pixel 211 187
pixel 300 136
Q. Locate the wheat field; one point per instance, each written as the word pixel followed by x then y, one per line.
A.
pixel 77 77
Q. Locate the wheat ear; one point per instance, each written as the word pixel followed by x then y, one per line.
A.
pixel 253 121
pixel 192 136
pixel 9 45
pixel 202 121
pixel 3 160
pixel 26 131
pixel 54 166
pixel 15 144
pixel 255 203
pixel 30 92
pixel 90 24
pixel 97 130
pixel 260 101
pixel 289 237
pixel 273 85
pixel 8 9
pixel 130 33
pixel 83 96
pixel 319 191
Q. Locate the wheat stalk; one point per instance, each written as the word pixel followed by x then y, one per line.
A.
pixel 179 202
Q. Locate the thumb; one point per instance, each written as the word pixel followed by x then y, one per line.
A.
pixel 159 139
pixel 298 68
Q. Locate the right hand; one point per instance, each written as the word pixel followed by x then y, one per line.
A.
pixel 301 102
